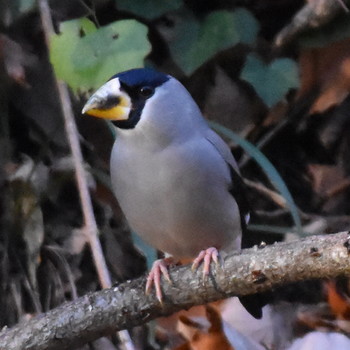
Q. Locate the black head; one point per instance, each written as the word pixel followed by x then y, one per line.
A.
pixel 141 76
pixel 123 97
pixel 140 84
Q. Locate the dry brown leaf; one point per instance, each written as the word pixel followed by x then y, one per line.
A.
pixel 211 331
pixel 201 339
pixel 326 69
pixel 325 177
pixel 339 303
pixel 167 326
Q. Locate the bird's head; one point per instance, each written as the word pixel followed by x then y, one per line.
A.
pixel 122 99
pixel 143 97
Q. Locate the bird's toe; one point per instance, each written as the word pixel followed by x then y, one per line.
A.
pixel 159 268
pixel 206 256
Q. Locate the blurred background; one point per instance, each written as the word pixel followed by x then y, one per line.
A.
pixel 275 73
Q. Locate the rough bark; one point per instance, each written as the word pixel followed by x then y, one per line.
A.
pixel 126 305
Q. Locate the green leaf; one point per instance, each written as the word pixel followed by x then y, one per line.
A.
pixel 193 43
pixel 62 48
pixel 271 82
pixel 85 57
pixel 268 169
pixel 149 9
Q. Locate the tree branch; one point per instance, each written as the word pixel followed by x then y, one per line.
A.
pixel 125 306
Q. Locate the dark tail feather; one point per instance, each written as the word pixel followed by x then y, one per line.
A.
pixel 255 302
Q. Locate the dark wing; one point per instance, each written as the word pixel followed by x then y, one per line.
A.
pixel 252 303
pixel 238 191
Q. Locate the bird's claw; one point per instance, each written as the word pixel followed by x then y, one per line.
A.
pixel 159 268
pixel 207 255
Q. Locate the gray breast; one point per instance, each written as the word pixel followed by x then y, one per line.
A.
pixel 177 198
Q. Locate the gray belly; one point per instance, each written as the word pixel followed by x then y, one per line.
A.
pixel 177 209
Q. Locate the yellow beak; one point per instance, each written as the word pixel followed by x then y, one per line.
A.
pixel 109 102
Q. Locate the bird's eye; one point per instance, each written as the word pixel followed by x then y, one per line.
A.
pixel 146 91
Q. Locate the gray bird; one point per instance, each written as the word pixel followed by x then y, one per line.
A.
pixel 175 179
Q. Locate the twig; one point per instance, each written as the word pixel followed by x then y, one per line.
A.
pixel 272 195
pixel 89 218
pixel 85 199
pixel 292 118
pixel 264 141
pixel 338 188
pixel 92 11
pixel 126 306
pixel 313 15
pixel 343 5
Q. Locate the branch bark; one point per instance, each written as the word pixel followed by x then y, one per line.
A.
pixel 125 306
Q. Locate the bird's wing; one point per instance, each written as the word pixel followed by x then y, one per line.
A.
pixel 237 189
pixel 221 147
pixel 253 303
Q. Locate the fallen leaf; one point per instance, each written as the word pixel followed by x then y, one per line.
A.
pixel 324 177
pixel 338 302
pixel 211 332
pixel 328 70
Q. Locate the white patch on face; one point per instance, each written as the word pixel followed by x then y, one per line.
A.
pixel 112 87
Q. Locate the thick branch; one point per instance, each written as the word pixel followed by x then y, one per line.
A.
pixel 126 306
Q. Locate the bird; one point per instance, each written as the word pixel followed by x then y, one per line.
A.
pixel 175 179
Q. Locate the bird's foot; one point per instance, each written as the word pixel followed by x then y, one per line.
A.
pixel 159 268
pixel 207 255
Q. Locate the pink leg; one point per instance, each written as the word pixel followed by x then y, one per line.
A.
pixel 159 268
pixel 206 256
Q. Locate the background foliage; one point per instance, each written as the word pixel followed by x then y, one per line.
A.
pixel 273 75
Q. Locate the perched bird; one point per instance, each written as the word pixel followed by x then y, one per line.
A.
pixel 175 179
